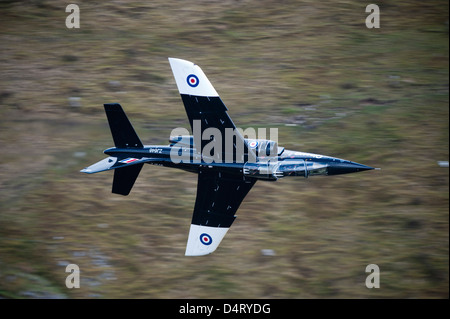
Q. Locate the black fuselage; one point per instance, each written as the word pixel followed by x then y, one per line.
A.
pixel 288 163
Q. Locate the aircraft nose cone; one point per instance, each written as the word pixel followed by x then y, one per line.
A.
pixel 347 167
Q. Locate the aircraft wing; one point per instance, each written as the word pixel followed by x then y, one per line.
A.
pixel 219 195
pixel 202 103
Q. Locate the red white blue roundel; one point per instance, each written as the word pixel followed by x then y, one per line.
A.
pixel 205 239
pixel 192 80
pixel 253 144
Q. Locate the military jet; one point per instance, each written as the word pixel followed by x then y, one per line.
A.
pixel 222 184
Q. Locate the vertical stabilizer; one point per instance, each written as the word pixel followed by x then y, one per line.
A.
pixel 122 131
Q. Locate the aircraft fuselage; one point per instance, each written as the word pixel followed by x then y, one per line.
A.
pixel 289 163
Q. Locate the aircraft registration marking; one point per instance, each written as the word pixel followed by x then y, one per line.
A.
pixel 155 150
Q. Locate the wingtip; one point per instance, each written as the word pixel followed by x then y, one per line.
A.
pixel 196 255
pixel 190 79
pixel 204 240
pixel 171 59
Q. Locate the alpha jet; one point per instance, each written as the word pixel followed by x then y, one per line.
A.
pixel 222 185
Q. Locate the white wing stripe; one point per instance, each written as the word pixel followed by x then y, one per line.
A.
pixel 190 78
pixel 204 240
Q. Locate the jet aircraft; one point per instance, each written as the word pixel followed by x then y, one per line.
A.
pixel 222 185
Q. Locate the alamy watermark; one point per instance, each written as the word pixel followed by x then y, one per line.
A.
pixel 73 19
pixel 229 145
pixel 373 279
pixel 73 280
pixel 373 19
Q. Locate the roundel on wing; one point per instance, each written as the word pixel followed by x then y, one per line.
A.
pixel 205 239
pixel 192 80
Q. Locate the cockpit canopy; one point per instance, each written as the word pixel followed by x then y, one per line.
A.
pixel 264 147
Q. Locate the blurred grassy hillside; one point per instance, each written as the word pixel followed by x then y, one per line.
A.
pixel 310 68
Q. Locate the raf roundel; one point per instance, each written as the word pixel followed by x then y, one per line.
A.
pixel 253 144
pixel 205 239
pixel 192 80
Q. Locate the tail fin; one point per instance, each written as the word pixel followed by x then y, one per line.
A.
pixel 124 179
pixel 122 131
pixel 124 136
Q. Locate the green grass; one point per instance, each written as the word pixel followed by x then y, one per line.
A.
pixel 378 96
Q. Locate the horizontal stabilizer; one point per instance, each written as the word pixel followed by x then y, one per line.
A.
pixel 103 165
pixel 116 163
